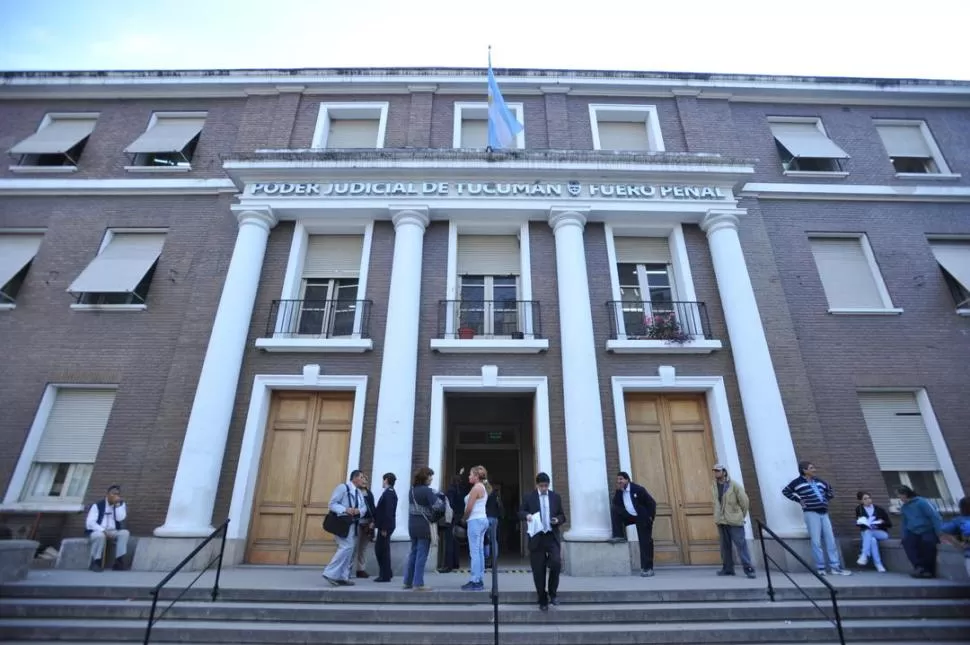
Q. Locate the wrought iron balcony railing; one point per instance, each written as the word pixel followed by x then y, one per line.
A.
pixel 471 319
pixel 319 319
pixel 677 322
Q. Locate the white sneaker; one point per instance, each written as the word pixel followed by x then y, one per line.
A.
pixel 880 568
pixel 863 560
pixel 841 572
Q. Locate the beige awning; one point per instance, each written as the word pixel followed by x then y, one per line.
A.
pixel 169 134
pixel 122 264
pixel 804 140
pixel 16 250
pixel 904 141
pixel 954 257
pixel 59 136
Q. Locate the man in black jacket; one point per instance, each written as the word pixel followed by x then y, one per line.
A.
pixel 544 546
pixel 632 504
pixel 385 521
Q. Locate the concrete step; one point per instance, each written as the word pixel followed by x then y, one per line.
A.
pixel 364 613
pixel 548 634
pixel 373 595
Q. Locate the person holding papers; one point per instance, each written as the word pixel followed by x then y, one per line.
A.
pixel 874 523
pixel 543 513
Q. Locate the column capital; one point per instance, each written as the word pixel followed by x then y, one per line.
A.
pixel 720 218
pixel 559 217
pixel 262 216
pixel 555 89
pixel 416 215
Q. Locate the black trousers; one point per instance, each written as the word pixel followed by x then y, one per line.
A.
pixel 382 550
pixel 921 550
pixel 544 555
pixel 644 535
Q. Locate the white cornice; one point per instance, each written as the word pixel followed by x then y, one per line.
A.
pixel 37 187
pixel 848 192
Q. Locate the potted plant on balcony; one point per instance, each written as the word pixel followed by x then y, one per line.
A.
pixel 665 327
pixel 466 333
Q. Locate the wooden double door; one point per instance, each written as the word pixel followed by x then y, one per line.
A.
pixel 672 453
pixel 304 458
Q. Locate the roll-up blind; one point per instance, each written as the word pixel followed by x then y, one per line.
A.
pixel 620 135
pixel 642 250
pixel 488 255
pixel 845 272
pixel 353 133
pixel 333 256
pixel 898 433
pixel 904 141
pixel 75 426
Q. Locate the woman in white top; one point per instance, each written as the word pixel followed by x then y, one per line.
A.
pixel 477 524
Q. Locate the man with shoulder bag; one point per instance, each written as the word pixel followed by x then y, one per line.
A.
pixel 345 511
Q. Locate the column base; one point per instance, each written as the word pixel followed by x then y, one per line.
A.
pixel 169 531
pixel 596 559
pixel 583 534
pixel 164 554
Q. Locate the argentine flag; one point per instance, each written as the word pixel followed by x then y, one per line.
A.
pixel 502 125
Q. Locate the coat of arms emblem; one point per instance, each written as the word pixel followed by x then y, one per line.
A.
pixel 574 188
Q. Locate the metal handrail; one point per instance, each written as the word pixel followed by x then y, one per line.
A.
pixel 493 541
pixel 222 529
pixel 837 620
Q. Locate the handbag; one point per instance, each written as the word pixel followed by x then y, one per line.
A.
pixel 338 525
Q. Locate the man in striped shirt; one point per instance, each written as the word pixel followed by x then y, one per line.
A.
pixel 813 494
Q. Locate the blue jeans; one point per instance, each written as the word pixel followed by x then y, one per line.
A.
pixel 820 528
pixel 476 547
pixel 492 521
pixel 417 559
pixel 870 545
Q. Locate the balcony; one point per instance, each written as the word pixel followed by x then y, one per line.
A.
pixel 659 328
pixel 489 326
pixel 318 326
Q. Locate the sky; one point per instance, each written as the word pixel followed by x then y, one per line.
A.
pixel 869 38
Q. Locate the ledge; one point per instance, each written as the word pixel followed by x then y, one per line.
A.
pixel 41 507
pixel 489 346
pixel 315 345
pixel 866 312
pixel 661 347
pixel 114 308
pixel 825 174
pixel 153 169
pixel 42 169
pixel 928 175
pixel 960 312
pixel 8 306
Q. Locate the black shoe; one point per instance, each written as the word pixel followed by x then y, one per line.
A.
pixel 119 565
pixel 616 540
pixel 725 572
pixel 445 570
pixel 554 601
pixel 749 572
pixel 96 566
pixel 543 606
pixel 382 579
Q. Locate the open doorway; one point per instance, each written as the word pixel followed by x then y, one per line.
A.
pixel 495 431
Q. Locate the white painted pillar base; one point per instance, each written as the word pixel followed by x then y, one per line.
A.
pixel 200 464
pixel 764 412
pixel 589 512
pixel 394 427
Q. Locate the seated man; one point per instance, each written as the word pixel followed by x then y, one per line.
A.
pixel 106 521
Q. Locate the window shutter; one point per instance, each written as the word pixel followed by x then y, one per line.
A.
pixel 353 133
pixel 846 276
pixel 805 140
pixel 642 250
pixel 169 134
pixel 898 433
pixel 474 133
pixel 121 265
pixel 75 426
pixel 333 256
pixel 488 255
pixel 60 135
pixel 904 141
pixel 620 135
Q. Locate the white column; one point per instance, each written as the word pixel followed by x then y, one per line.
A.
pixel 589 512
pixel 200 464
pixel 394 427
pixel 764 413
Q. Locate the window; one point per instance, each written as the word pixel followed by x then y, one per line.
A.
pixel 849 275
pixel 903 446
pixel 169 142
pixel 911 148
pixel 328 306
pixel 122 271
pixel 953 257
pixel 646 284
pixel 471 125
pixel 58 142
pixel 488 287
pixel 71 437
pixel 626 127
pixel 804 146
pixel 350 125
pixel 17 251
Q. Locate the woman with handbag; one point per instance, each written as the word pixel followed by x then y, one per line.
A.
pixel 421 500
pixel 477 522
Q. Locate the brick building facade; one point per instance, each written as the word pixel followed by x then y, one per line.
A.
pixel 224 289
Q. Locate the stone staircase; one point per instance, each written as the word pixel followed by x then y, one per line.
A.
pixel 370 615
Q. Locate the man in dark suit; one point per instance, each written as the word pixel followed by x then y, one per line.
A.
pixel 632 504
pixel 544 546
pixel 385 521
